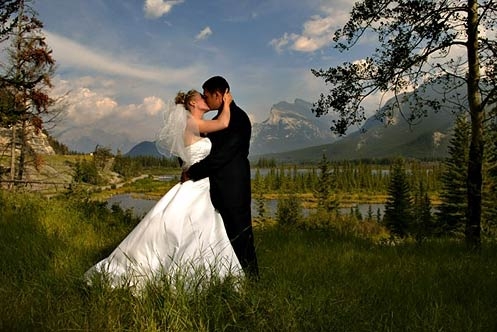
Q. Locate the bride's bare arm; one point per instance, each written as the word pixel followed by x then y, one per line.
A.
pixel 223 120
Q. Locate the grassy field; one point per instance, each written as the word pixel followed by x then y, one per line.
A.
pixel 310 280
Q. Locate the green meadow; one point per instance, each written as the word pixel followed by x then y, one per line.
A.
pixel 311 280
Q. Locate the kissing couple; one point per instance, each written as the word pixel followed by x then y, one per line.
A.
pixel 204 222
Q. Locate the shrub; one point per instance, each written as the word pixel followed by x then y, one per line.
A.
pixel 289 210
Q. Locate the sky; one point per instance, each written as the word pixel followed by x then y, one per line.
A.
pixel 119 62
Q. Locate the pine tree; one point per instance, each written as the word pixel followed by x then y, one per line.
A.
pixel 289 210
pixel 489 199
pixel 370 213
pixel 378 215
pixel 325 184
pixel 452 210
pixel 398 207
pixel 8 21
pixel 27 76
pixel 258 186
pixel 422 216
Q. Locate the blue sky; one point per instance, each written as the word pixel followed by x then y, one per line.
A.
pixel 119 61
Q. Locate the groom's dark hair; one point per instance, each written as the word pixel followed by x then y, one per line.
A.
pixel 216 83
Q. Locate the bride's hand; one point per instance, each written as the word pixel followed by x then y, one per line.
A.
pixel 227 98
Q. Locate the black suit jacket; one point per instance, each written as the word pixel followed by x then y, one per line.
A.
pixel 227 165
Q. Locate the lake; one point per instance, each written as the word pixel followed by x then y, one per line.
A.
pixel 141 206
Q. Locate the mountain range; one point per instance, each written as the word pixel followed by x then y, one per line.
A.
pixel 145 148
pixel 292 133
pixel 426 140
pixel 289 126
pixel 86 139
pixel 426 136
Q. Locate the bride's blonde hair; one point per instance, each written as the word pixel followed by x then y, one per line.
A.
pixel 184 98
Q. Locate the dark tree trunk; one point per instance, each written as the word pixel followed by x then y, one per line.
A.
pixel 473 222
pixel 22 154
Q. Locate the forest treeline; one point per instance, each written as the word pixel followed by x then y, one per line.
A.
pixel 409 185
pixel 424 198
pixel 349 176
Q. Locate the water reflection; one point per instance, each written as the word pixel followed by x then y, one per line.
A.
pixel 141 206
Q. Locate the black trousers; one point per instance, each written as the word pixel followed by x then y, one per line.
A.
pixel 238 224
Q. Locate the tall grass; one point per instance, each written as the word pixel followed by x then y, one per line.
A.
pixel 311 280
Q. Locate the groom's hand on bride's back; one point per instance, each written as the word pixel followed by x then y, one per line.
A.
pixel 184 173
pixel 184 176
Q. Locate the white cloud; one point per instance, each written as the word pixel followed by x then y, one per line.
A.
pixel 280 43
pixel 308 44
pixel 153 105
pixel 158 8
pixel 319 26
pixel 204 34
pixel 72 54
pixel 317 32
pixel 87 108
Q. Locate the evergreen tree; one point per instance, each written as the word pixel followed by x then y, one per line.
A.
pixel 86 172
pixel 258 186
pixel 378 215
pixel 126 166
pixel 422 216
pixel 398 207
pixel 370 213
pixel 289 210
pixel 357 213
pixel 266 163
pixel 325 184
pixel 452 210
pixel 8 19
pixel 26 69
pixel 489 204
pixel 58 147
pixel 101 157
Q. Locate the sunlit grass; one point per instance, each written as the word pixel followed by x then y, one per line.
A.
pixel 314 280
pixel 146 188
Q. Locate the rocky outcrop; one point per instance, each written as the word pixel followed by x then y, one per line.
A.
pixel 37 141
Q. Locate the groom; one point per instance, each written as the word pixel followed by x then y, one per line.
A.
pixel 228 169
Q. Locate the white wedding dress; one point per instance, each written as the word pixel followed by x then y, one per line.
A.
pixel 181 235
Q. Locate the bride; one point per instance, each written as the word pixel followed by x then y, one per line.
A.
pixel 182 235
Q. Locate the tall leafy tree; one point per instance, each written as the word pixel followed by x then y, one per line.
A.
pixel 416 40
pixel 26 79
pixel 452 210
pixel 398 207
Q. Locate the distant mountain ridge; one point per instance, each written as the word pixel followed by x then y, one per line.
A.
pixel 290 126
pixel 426 139
pixel 292 133
pixel 86 139
pixel 144 149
